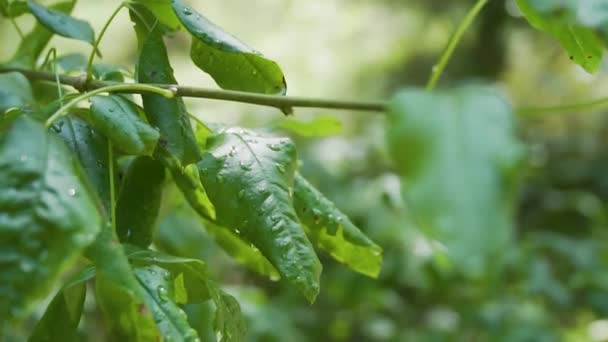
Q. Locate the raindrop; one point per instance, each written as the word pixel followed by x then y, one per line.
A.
pixel 290 191
pixel 72 192
pixel 274 147
pixel 187 11
pixel 232 151
pixel 166 275
pixel 163 294
pixel 173 89
pixel 245 167
pixel 255 249
pixel 376 252
pixel 281 168
pixel 236 230
pixel 275 218
pixel 23 158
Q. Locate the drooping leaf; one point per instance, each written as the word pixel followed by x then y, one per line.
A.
pixel 332 231
pixel 13 9
pixel 582 44
pixel 61 23
pixel 61 318
pixel 49 214
pixel 15 91
pixel 249 179
pixel 118 118
pixel 231 63
pixel 320 126
pixel 139 201
pixel 169 115
pixel 458 156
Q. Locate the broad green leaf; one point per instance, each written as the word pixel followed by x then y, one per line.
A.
pixel 15 91
pixel 582 44
pixel 320 126
pixel 33 43
pixel 332 231
pixel 249 179
pixel 458 155
pixel 49 214
pixel 118 118
pixel 162 10
pixel 139 201
pixel 61 23
pixel 169 115
pixel 61 318
pixel 231 63
pixel 13 9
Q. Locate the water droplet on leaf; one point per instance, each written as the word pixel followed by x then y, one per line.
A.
pixel 281 168
pixel 163 294
pixel 72 192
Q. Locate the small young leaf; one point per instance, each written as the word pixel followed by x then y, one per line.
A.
pixel 118 118
pixel 333 232
pixel 249 179
pixel 162 10
pixel 169 115
pixel 61 23
pixel 15 91
pixel 139 201
pixel 49 214
pixel 320 126
pixel 231 63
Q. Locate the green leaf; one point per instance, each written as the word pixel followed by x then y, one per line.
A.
pixel 49 214
pixel 232 64
pixel 320 126
pixel 249 179
pixel 169 115
pixel 458 155
pixel 332 231
pixel 118 118
pixel 162 10
pixel 13 9
pixel 139 201
pixel 15 91
pixel 582 44
pixel 61 23
pixel 34 42
pixel 61 318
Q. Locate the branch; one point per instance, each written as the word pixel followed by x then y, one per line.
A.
pixel 81 84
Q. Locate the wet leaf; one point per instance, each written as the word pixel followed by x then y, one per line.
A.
pixel 49 214
pixel 249 179
pixel 61 23
pixel 332 231
pixel 118 118
pixel 231 63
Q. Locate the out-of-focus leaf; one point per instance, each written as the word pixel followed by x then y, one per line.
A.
pixel 590 13
pixel 582 44
pixel 162 10
pixel 249 179
pixel 70 62
pixel 34 42
pixel 458 155
pixel 231 63
pixel 320 126
pixel 15 91
pixel 169 115
pixel 139 201
pixel 49 214
pixel 13 9
pixel 61 318
pixel 118 118
pixel 61 23
pixel 332 231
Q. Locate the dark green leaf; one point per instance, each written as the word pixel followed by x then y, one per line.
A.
pixel 139 201
pixel 320 126
pixel 61 23
pixel 231 63
pixel 458 155
pixel 333 231
pixel 13 9
pixel 169 115
pixel 118 118
pixel 582 44
pixel 249 179
pixel 49 214
pixel 15 91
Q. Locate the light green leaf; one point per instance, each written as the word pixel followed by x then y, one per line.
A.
pixel 49 214
pixel 169 115
pixel 320 126
pixel 61 23
pixel 162 10
pixel 458 155
pixel 139 201
pixel 15 91
pixel 118 118
pixel 231 63
pixel 582 44
pixel 13 9
pixel 249 179
pixel 332 231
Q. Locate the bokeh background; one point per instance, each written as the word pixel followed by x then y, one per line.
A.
pixel 555 284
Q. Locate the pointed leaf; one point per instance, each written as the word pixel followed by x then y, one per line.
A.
pixel 118 118
pixel 231 63
pixel 61 23
pixel 139 201
pixel 169 115
pixel 332 231
pixel 458 155
pixel 49 214
pixel 15 91
pixel 320 126
pixel 249 179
